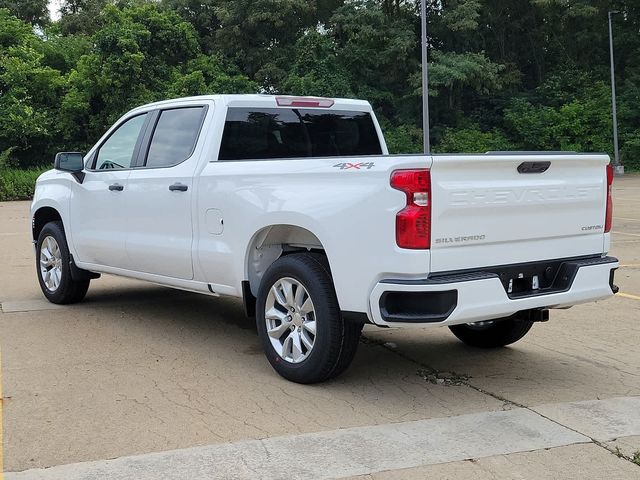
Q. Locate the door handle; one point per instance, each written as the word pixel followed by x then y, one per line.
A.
pixel 180 187
pixel 116 187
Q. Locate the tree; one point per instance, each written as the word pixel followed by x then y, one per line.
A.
pixel 30 94
pixel 316 69
pixel 133 61
pixel 581 124
pixel 80 16
pixel 530 74
pixel 379 52
pixel 473 140
pixel 34 12
pixel 202 14
pixel 259 35
pixel 207 75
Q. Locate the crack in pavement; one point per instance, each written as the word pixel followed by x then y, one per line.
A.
pixel 436 377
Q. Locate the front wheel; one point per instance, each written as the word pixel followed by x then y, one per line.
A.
pixel 299 320
pixel 492 333
pixel 53 265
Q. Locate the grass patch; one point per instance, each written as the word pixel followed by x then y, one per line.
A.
pixel 636 458
pixel 18 184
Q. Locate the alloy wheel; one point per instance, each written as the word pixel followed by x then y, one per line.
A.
pixel 51 263
pixel 290 320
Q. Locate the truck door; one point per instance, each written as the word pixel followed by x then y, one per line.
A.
pixel 98 206
pixel 159 208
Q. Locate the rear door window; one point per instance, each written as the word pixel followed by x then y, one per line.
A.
pixel 268 133
pixel 175 136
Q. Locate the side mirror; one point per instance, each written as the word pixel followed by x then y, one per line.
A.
pixel 72 162
pixel 69 162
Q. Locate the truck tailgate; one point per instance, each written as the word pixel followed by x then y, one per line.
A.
pixel 501 209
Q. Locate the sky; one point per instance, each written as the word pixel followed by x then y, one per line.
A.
pixel 54 5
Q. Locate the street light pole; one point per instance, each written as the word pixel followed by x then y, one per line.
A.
pixel 425 79
pixel 619 169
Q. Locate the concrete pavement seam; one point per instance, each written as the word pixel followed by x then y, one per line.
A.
pixel 353 451
pixel 463 380
pixel 628 295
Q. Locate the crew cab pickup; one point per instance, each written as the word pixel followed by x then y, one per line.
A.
pixel 294 205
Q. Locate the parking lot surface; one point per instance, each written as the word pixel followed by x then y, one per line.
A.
pixel 140 381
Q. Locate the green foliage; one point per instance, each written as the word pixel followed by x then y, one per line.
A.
pixel 34 12
pixel 135 59
pixel 209 74
pixel 468 70
pixel 13 31
pixel 473 140
pixel 258 34
pixel 581 124
pixel 462 15
pixel 504 74
pixel 378 51
pixel 80 16
pixel 317 69
pixel 62 52
pixel 18 184
pixel 29 95
pixel 403 139
pixel 630 154
pixel 202 14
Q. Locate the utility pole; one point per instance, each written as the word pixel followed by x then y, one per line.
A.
pixel 618 169
pixel 425 79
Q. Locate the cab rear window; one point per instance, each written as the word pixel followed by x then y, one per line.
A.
pixel 268 133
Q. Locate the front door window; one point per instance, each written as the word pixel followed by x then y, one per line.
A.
pixel 118 150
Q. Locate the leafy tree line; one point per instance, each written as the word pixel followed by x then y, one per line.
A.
pixel 504 74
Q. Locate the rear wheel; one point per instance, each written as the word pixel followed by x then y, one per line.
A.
pixel 492 333
pixel 299 320
pixel 53 265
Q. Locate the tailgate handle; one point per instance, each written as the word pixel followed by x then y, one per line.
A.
pixel 533 167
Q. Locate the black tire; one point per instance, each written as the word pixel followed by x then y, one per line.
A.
pixel 335 341
pixel 502 332
pixel 68 291
pixel 350 342
pixel 351 337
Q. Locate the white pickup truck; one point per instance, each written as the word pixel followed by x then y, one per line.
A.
pixel 294 205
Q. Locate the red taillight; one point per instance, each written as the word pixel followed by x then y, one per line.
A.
pixel 304 102
pixel 609 216
pixel 413 223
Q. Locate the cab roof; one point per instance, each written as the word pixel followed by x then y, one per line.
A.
pixel 270 101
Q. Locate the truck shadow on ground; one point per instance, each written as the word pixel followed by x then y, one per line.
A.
pixel 218 326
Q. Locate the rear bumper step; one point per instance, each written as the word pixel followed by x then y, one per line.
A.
pixel 495 292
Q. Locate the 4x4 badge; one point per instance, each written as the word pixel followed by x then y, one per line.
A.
pixel 357 166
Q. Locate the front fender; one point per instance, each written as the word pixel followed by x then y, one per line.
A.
pixel 53 190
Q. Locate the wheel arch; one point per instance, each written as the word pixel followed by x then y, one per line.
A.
pixel 41 217
pixel 45 214
pixel 270 243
